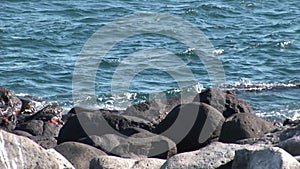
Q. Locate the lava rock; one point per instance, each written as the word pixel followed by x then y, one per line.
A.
pixel 291 145
pixel 45 142
pixel 98 122
pixel 144 144
pixel 79 154
pixel 155 110
pixel 9 102
pixel 21 152
pixel 10 107
pixel 22 133
pixel 31 105
pixel 244 125
pixel 273 157
pixel 215 155
pixel 112 162
pixel 191 126
pixel 48 112
pixel 226 102
pixel 34 127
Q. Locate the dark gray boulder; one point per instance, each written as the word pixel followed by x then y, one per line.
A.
pixel 143 144
pixel 191 126
pixel 78 154
pixel 244 125
pixel 34 127
pixel 225 102
pixel 155 110
pixel 291 145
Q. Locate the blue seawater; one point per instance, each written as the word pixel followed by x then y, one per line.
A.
pixel 257 42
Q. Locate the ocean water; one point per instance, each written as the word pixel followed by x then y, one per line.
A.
pixel 256 41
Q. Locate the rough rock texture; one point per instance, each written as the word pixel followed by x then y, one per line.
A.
pixel 191 126
pixel 212 156
pixel 9 102
pixel 43 133
pixel 10 107
pixel 98 122
pixel 274 137
pixel 21 152
pixel 244 125
pixel 34 127
pixel 225 102
pixel 31 105
pixel 111 162
pixel 291 145
pixel 48 112
pixel 78 154
pixel 156 109
pixel 273 157
pixel 144 144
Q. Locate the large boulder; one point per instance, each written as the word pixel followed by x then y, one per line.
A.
pixel 143 144
pixel 215 155
pixel 43 133
pixel 112 162
pixel 21 152
pixel 98 122
pixel 226 102
pixel 191 126
pixel 155 110
pixel 244 125
pixel 273 157
pixel 34 127
pixel 291 145
pixel 78 154
pixel 286 133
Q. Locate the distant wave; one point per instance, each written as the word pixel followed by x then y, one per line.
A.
pixel 258 86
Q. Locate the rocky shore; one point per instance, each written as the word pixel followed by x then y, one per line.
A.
pixel 214 129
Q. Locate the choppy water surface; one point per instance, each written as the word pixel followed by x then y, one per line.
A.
pixel 257 42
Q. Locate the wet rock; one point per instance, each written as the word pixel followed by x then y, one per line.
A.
pixel 144 144
pixel 191 126
pixel 273 157
pixel 244 125
pixel 225 102
pixel 112 162
pixel 98 122
pixel 291 145
pixel 215 155
pixel 155 110
pixel 78 154
pixel 21 152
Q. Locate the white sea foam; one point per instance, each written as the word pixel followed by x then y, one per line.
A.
pixel 218 51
